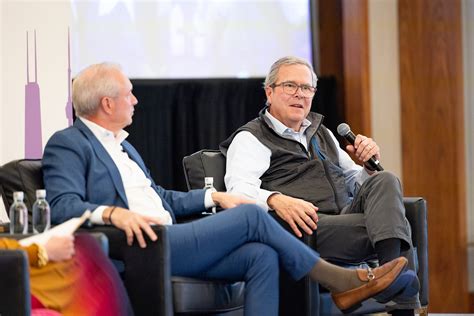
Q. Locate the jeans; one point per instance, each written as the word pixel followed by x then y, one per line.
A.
pixel 240 244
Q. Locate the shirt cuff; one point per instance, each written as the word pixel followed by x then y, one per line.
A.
pixel 208 201
pixel 264 195
pixel 96 217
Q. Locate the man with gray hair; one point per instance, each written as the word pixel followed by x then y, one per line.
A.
pixel 290 163
pixel 91 166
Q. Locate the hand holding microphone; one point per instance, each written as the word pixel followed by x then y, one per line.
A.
pixel 364 148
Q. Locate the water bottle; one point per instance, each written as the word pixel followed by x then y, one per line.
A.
pixel 18 215
pixel 209 185
pixel 41 213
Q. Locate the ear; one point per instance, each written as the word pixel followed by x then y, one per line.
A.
pixel 107 105
pixel 269 93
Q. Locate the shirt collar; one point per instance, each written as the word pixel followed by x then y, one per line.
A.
pixel 104 135
pixel 282 129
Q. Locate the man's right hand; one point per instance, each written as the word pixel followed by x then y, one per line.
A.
pixel 134 224
pixel 296 212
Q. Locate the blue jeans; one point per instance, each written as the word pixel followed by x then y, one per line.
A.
pixel 240 244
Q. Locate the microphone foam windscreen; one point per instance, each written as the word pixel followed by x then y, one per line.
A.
pixel 343 129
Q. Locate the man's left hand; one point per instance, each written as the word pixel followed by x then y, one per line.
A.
pixel 134 225
pixel 226 200
pixel 364 148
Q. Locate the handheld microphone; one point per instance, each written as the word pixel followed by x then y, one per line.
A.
pixel 345 131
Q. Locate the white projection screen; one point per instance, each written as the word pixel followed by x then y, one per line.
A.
pixel 189 38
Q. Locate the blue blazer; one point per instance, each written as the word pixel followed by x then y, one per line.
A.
pixel 79 174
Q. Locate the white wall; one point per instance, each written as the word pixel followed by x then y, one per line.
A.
pixel 2 114
pixel 385 82
pixel 51 20
pixel 3 214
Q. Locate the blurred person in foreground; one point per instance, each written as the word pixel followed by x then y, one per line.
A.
pixel 72 276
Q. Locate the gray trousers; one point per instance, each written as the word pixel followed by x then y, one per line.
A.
pixel 376 213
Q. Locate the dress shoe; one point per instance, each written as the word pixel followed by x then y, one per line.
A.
pixel 377 280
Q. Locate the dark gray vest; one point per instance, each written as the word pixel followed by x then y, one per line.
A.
pixel 299 173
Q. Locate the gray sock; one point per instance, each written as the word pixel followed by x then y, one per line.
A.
pixel 334 278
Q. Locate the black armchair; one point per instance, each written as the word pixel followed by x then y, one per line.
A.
pixel 306 297
pixel 145 272
pixel 15 285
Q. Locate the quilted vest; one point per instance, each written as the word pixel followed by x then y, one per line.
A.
pixel 313 175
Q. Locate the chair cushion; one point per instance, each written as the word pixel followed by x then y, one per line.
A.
pixel 200 296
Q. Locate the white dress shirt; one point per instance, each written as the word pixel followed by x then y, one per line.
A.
pixel 142 198
pixel 248 159
pixel 3 212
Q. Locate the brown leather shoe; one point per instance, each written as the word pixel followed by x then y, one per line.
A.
pixel 377 279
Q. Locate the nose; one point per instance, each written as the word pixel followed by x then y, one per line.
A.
pixel 298 93
pixel 134 100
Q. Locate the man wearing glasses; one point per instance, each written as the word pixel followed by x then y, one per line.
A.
pixel 290 163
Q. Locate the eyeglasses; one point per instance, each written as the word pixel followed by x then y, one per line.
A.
pixel 291 88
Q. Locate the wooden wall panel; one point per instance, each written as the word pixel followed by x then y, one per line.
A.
pixel 330 47
pixel 431 82
pixel 344 54
pixel 356 65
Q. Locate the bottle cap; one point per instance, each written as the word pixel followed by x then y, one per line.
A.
pixel 18 195
pixel 40 194
pixel 208 181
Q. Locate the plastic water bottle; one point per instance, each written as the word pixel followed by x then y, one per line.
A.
pixel 18 215
pixel 209 185
pixel 41 213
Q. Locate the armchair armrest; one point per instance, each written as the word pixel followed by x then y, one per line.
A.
pixel 416 213
pixel 15 283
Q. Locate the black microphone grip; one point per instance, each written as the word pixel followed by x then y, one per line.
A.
pixel 372 164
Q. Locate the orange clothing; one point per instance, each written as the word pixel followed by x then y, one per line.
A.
pixel 85 285
pixel 31 251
